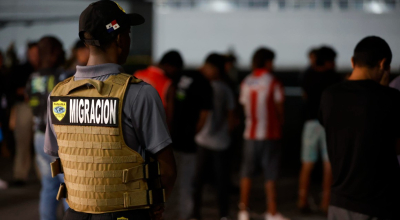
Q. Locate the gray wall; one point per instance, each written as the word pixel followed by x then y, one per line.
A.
pixel 290 33
pixel 22 21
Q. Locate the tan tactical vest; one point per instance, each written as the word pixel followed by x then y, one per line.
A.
pixel 102 174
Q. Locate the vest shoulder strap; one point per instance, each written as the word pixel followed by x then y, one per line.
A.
pixel 59 88
pixel 135 80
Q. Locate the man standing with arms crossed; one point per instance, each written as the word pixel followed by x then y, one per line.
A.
pixel 109 128
pixel 361 118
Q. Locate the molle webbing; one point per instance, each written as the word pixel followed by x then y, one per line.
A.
pixel 65 129
pixel 102 174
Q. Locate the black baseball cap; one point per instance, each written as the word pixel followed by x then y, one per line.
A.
pixel 104 20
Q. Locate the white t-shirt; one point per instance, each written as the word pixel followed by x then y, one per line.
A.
pixel 215 133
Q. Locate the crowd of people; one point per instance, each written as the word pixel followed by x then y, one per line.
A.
pixel 351 122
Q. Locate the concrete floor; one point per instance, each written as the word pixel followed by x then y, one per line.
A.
pixel 22 203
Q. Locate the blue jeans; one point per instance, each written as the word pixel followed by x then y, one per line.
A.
pixel 48 202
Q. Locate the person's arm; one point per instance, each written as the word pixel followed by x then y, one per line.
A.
pixel 206 99
pixel 202 119
pixel 50 137
pixel 149 122
pixel 231 105
pixel 166 159
pixel 279 106
pixel 279 99
pixel 398 146
pixel 232 122
pixel 170 105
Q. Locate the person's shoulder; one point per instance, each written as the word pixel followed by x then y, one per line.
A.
pixel 274 78
pixel 395 83
pixel 248 78
pixel 196 76
pixel 140 90
pixel 141 72
pixel 334 88
pixel 392 91
pixel 221 85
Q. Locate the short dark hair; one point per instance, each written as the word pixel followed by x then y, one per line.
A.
pixel 325 54
pixel 312 51
pixel 370 51
pixel 32 44
pixel 104 44
pixel 48 46
pixel 261 56
pixel 79 44
pixel 172 58
pixel 218 61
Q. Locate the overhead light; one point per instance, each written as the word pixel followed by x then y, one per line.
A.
pixel 376 7
pixel 218 6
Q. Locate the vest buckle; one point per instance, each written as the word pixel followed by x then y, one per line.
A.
pixel 125 175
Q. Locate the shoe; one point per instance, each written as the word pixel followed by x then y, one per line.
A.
pixel 243 215
pixel 277 216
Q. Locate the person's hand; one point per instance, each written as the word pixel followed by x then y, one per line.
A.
pixel 156 212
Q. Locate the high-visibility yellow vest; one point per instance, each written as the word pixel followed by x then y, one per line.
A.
pixel 101 173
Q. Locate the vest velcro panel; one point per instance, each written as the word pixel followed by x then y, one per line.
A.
pixel 102 174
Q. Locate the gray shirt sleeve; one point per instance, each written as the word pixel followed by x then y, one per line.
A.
pixel 148 118
pixel 50 138
pixel 395 83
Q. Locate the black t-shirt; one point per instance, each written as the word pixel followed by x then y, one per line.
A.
pixel 38 88
pixel 193 94
pixel 362 123
pixel 313 84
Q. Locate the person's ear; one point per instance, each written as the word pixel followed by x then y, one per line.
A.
pixel 352 62
pixel 119 40
pixel 383 65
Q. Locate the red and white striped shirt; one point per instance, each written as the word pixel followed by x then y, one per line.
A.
pixel 258 94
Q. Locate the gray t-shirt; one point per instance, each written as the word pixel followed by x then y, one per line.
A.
pixel 215 133
pixel 395 83
pixel 143 117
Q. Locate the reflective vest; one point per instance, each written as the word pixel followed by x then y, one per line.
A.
pixel 157 78
pixel 101 173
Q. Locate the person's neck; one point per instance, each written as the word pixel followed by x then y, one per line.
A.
pixel 97 58
pixel 362 73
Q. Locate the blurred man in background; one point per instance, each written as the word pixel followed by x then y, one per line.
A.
pixel 192 103
pixel 21 118
pixel 315 80
pixel 161 77
pixel 361 118
pixel 213 139
pixel 79 56
pixel 39 86
pixel 262 97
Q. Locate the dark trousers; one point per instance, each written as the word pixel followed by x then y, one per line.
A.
pixel 220 169
pixel 140 214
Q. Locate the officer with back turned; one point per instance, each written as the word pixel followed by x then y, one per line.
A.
pixel 109 129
